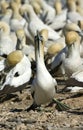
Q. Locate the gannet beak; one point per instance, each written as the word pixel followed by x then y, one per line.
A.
pixel 38 39
pixel 18 42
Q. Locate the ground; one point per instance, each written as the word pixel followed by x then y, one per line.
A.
pixel 14 117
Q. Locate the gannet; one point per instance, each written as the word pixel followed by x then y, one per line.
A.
pixel 72 60
pixel 71 27
pixel 48 11
pixel 52 52
pixel 17 21
pixel 4 5
pixel 73 16
pixel 43 85
pixel 23 46
pixel 56 67
pixel 61 15
pixel 18 73
pixel 7 16
pixel 7 45
pixel 35 23
pixel 36 7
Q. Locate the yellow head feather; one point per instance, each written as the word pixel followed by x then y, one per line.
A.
pixel 14 57
pixel 20 32
pixel 71 37
pixel 44 33
pixel 54 49
pixel 36 7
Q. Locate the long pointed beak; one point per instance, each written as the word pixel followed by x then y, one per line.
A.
pixel 38 39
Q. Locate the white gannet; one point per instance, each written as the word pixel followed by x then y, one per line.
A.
pixel 72 60
pixel 37 8
pixel 43 86
pixel 4 5
pixel 35 23
pixel 7 45
pixel 7 16
pixel 23 46
pixel 73 16
pixel 48 11
pixel 17 21
pixel 71 27
pixel 54 52
pixel 61 15
pixel 18 75
pixel 6 12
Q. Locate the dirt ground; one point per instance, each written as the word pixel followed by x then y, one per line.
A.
pixel 14 117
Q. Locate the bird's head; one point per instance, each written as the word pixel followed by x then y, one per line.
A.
pixel 72 37
pixel 20 34
pixel 14 57
pixel 54 49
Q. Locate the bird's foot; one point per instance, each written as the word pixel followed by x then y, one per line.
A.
pixel 33 107
pixel 61 106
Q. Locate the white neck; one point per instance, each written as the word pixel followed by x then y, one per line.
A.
pixel 74 51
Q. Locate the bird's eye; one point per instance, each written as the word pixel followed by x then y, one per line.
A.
pixel 16 74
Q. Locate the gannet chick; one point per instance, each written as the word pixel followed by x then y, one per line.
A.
pixel 19 73
pixel 43 86
pixel 39 25
pixel 6 43
pixel 25 48
pixel 72 60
